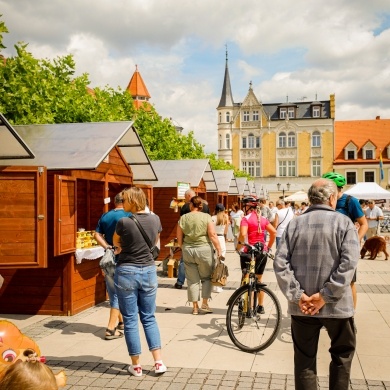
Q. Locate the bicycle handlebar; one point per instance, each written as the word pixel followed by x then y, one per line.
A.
pixel 259 247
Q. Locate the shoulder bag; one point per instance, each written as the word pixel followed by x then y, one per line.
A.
pixel 220 274
pixel 154 250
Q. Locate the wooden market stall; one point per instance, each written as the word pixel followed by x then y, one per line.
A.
pixel 197 173
pixel 225 181
pixel 65 183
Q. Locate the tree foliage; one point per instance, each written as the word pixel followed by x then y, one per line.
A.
pixel 37 91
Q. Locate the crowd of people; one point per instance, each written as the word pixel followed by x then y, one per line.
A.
pixel 317 251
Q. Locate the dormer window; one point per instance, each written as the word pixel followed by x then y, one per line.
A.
pixel 291 112
pixel 368 151
pixel 283 113
pixel 350 151
pixel 316 112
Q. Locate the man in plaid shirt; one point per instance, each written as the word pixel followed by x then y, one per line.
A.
pixel 314 265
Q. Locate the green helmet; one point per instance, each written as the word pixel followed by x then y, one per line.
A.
pixel 338 179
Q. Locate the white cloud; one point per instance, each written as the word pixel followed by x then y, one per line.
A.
pixel 298 49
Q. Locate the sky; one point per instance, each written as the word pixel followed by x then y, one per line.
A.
pixel 300 50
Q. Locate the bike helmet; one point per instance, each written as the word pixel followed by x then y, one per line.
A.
pixel 250 200
pixel 338 179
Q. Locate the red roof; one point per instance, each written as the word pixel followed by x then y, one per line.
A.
pixel 361 132
pixel 137 89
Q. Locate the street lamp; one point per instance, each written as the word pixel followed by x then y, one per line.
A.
pixel 287 185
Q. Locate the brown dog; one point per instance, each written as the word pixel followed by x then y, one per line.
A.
pixel 374 245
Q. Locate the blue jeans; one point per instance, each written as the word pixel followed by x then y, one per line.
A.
pixel 136 287
pixel 112 295
pixel 181 272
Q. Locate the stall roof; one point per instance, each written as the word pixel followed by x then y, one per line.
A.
pixel 242 185
pixel 12 146
pixel 169 172
pixel 81 146
pixel 226 181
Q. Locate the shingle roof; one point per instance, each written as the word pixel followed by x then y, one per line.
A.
pixel 360 132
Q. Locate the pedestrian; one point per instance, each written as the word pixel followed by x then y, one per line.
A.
pixel 282 218
pixel 349 206
pixel 104 233
pixel 181 273
pixel 252 229
pixel 221 223
pixel 314 265
pixel 374 215
pixel 196 236
pixel 136 279
pixel 235 219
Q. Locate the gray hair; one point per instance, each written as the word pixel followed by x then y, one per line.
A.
pixel 118 198
pixel 321 190
pixel 190 193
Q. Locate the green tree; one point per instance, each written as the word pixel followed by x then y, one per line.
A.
pixel 219 164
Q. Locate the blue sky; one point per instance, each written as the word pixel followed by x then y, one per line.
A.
pixel 300 49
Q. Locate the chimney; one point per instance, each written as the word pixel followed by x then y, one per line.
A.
pixel 378 118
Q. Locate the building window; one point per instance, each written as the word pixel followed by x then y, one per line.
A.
pixel 282 140
pixel 351 155
pixel 291 140
pixel 255 115
pixel 351 178
pixel 282 168
pixel 246 116
pixel 290 168
pixel 251 141
pixel 369 154
pixel 316 139
pixel 257 142
pixel 316 112
pixel 220 141
pixel 369 177
pixel 316 168
pixel 291 112
pixel 227 141
pixel 220 117
pixel 228 117
pixel 244 142
pixel 252 168
pixel 283 113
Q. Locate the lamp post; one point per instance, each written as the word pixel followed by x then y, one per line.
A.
pixel 287 185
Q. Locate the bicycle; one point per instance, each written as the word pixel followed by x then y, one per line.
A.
pixel 249 330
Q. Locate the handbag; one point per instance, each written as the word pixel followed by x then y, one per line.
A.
pixel 154 250
pixel 107 262
pixel 220 274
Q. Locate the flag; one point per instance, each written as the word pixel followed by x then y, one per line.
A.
pixel 382 174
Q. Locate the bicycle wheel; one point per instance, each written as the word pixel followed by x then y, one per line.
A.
pixel 250 331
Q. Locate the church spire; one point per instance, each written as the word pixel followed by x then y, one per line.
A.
pixel 137 89
pixel 226 97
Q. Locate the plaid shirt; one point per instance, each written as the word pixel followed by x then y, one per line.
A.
pixel 318 252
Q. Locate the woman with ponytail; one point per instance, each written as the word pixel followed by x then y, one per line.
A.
pixel 252 230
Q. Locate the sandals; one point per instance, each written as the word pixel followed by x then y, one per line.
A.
pixel 121 326
pixel 112 335
pixel 195 311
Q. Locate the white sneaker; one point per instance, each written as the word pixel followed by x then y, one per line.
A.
pixel 217 289
pixel 159 368
pixel 135 370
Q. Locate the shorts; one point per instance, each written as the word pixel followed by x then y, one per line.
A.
pixel 261 262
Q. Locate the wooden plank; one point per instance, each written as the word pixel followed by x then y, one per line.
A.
pixel 17 237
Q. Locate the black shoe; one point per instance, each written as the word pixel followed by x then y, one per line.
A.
pixel 178 286
pixel 260 310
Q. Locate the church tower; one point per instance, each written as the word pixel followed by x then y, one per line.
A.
pixel 225 118
pixel 138 90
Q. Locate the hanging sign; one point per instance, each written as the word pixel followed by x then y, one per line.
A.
pixel 181 189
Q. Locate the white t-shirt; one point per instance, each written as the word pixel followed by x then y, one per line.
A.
pixel 374 213
pixel 285 215
pixel 236 217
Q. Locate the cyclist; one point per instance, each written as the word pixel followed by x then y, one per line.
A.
pixel 349 206
pixel 252 229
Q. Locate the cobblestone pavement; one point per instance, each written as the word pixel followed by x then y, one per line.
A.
pixel 94 376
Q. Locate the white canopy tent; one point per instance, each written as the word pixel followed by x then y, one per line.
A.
pixel 368 191
pixel 299 196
